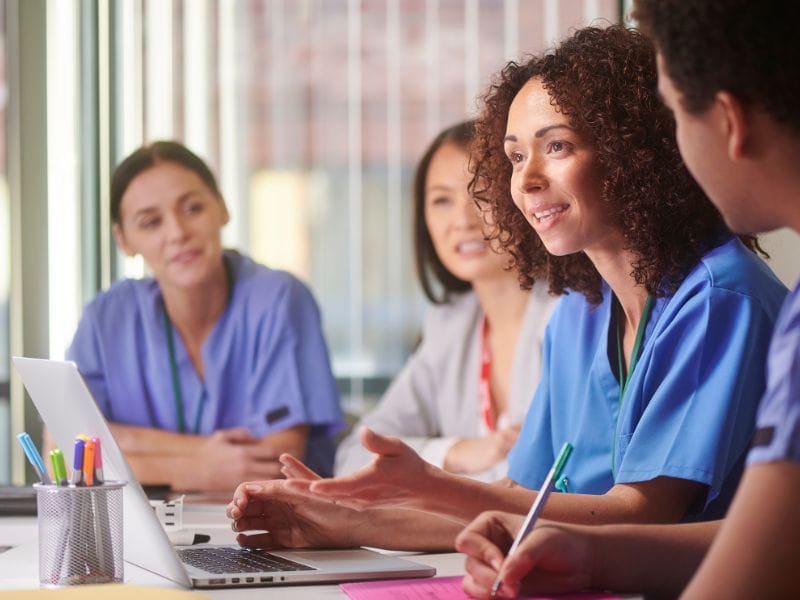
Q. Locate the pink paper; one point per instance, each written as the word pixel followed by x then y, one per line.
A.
pixel 436 587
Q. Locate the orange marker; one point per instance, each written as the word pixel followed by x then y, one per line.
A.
pixel 88 463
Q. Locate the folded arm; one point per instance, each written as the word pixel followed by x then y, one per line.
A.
pixel 219 461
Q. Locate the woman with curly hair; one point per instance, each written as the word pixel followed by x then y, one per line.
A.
pixel 647 364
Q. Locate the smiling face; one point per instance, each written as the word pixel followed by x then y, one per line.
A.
pixel 171 217
pixel 554 180
pixel 454 221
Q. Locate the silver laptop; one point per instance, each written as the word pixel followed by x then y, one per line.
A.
pixel 67 408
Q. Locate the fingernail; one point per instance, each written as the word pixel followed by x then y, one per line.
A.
pixel 496 564
pixel 252 487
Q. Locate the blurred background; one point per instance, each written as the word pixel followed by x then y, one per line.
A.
pixel 312 113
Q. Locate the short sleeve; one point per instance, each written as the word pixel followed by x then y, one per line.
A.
pixel 291 381
pixel 86 352
pixel 777 434
pixel 696 399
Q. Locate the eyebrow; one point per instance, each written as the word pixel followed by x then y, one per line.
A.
pixel 437 187
pixel 540 132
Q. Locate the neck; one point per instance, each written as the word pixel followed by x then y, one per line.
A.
pixel 502 301
pixel 192 311
pixel 615 268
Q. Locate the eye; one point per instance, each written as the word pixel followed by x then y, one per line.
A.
pixel 149 223
pixel 558 147
pixel 440 200
pixel 192 208
pixel 515 157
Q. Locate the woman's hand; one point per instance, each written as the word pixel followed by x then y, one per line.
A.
pixel 230 456
pixel 397 476
pixel 292 468
pixel 287 518
pixel 478 454
pixel 552 559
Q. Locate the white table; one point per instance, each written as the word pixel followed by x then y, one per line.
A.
pixel 19 567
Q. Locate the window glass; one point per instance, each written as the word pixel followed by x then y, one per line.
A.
pixel 313 114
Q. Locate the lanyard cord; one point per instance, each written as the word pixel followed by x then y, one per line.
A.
pixel 173 368
pixel 625 377
pixel 177 394
pixel 484 389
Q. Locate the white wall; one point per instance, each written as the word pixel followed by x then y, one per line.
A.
pixel 784 248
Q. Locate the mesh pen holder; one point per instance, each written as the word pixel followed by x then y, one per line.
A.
pixel 80 534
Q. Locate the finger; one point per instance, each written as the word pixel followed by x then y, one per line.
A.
pixel 481 573
pixel 260 452
pixel 473 588
pixel 382 445
pixel 477 546
pixel 339 488
pixel 236 435
pixel 295 469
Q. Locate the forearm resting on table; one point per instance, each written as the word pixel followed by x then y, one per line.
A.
pixel 406 529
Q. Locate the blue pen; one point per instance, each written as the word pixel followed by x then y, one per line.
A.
pixel 77 463
pixel 34 457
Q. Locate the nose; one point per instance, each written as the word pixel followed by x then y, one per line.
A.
pixel 177 229
pixel 468 214
pixel 532 178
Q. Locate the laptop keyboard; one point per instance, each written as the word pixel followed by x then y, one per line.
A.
pixel 238 560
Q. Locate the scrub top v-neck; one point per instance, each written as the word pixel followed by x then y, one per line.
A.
pixel 690 402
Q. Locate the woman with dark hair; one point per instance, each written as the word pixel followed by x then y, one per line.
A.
pixel 647 364
pixel 462 395
pixel 213 366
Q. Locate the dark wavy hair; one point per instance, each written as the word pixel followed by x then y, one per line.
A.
pixel 430 268
pixel 604 81
pixel 748 48
pixel 148 156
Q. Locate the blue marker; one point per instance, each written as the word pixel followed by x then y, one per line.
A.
pixel 77 463
pixel 34 457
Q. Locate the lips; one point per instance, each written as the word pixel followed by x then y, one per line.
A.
pixel 471 247
pixel 549 212
pixel 185 257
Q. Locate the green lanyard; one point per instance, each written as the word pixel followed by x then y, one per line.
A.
pixel 176 381
pixel 624 378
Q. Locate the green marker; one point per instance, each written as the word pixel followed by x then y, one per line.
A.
pixel 59 468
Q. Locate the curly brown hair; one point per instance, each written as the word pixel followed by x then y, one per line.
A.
pixel 604 81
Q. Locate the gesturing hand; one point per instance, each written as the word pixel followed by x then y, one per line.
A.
pixel 288 518
pixel 397 476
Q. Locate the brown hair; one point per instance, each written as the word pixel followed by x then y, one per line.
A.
pixel 430 268
pixel 604 81
pixel 148 156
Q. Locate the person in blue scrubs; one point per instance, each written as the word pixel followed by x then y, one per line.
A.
pixel 215 365
pixel 647 365
pixel 738 128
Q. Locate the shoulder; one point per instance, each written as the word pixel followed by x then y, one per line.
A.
pixel 258 283
pixel 731 268
pixel 460 313
pixel 252 277
pixel 123 298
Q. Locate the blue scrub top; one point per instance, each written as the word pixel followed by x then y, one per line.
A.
pixel 689 408
pixel 777 434
pixel 266 363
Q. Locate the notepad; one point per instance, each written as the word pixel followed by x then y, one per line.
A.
pixel 438 587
